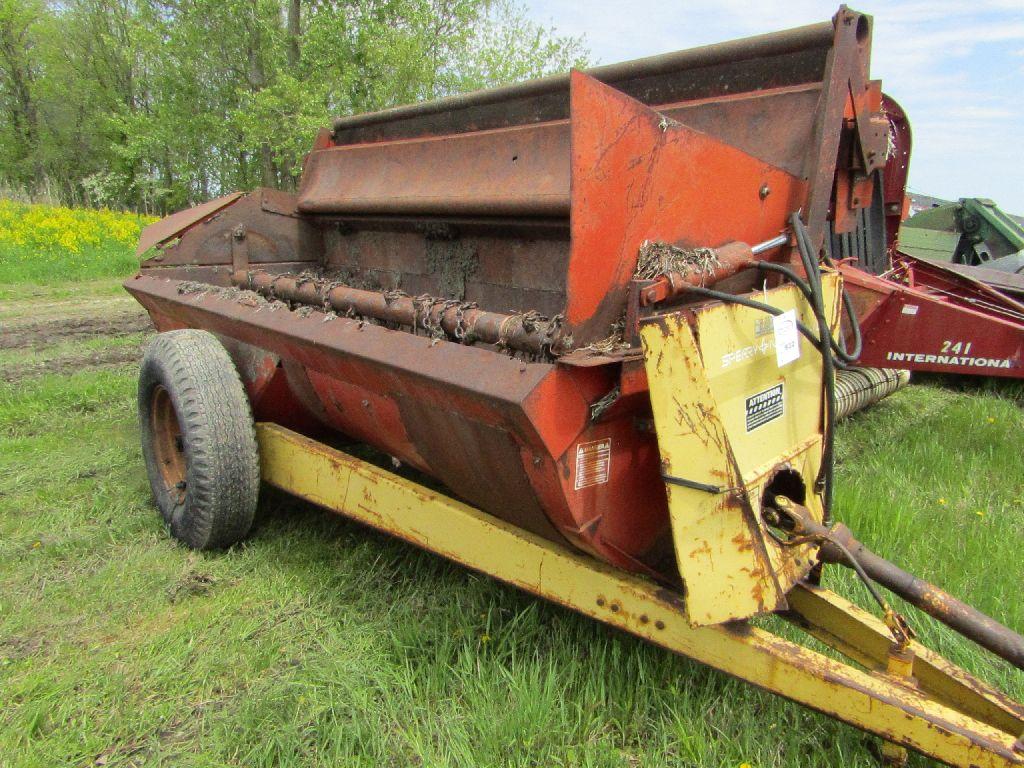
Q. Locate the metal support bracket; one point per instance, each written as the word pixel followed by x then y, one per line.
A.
pixel 239 250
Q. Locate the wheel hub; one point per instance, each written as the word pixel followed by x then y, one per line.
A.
pixel 168 442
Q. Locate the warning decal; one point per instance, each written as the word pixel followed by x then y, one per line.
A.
pixel 764 407
pixel 593 463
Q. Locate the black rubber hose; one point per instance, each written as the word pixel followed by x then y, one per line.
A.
pixel 843 357
pixel 710 293
pixel 824 482
pixel 858 341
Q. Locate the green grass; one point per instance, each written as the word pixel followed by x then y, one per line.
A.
pixel 25 264
pixel 17 297
pixel 320 642
pixel 77 351
pixel 42 243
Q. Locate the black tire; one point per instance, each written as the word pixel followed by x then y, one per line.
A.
pixel 198 439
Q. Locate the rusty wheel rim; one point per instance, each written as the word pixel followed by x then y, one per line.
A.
pixel 168 442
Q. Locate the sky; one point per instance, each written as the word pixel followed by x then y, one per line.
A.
pixel 956 67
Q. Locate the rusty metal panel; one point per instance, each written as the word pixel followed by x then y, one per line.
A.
pixel 519 171
pixel 482 464
pixel 638 176
pixel 268 237
pixel 499 270
pixel 776 60
pixel 730 419
pixel 751 122
pixel 175 224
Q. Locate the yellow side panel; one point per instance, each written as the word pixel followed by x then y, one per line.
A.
pixel 728 418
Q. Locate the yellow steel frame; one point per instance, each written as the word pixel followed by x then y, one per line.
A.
pixel 703 367
pixel 927 705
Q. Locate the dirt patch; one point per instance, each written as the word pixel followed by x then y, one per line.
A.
pixel 191 584
pixel 18 648
pixel 65 366
pixel 36 334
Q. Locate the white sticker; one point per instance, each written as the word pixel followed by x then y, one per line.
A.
pixel 593 463
pixel 787 337
pixel 910 309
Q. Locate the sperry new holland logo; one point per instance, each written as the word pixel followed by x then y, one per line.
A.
pixel 764 407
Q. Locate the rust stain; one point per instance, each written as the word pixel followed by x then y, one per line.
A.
pixel 743 542
pixel 704 550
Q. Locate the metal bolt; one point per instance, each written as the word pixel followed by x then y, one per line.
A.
pixel 600 602
pixel 764 191
pixel 659 624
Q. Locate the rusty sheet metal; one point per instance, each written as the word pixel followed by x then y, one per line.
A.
pixel 175 224
pixel 868 699
pixel 729 421
pixel 524 171
pixel 212 239
pixel 528 424
pixel 638 176
pixel 776 60
pixel 504 269
pixel 511 172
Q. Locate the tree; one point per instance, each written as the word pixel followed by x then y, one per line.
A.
pixel 159 104
pixel 20 27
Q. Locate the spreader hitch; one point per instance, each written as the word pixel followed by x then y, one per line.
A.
pixel 839 546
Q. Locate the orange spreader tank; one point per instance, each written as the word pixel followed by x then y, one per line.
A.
pixel 456 283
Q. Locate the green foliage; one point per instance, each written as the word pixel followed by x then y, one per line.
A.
pixel 156 105
pixel 40 243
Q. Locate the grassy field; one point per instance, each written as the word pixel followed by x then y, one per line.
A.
pixel 46 242
pixel 319 642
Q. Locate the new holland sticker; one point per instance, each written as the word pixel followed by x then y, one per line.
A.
pixel 764 407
